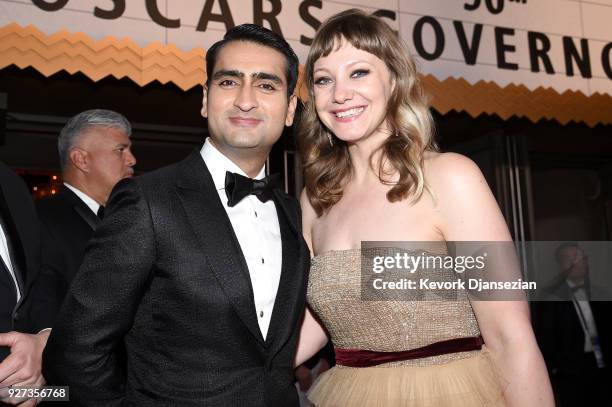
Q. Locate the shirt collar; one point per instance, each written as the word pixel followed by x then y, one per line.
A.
pixel 90 202
pixel 218 164
pixel 571 284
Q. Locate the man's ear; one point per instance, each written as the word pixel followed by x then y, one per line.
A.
pixel 293 100
pixel 79 159
pixel 204 110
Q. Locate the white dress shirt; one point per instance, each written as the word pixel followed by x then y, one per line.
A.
pixel 4 253
pixel 256 226
pixel 585 315
pixel 89 201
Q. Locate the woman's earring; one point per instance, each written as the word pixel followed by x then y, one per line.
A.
pixel 329 137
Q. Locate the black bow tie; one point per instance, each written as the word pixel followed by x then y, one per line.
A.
pixel 238 186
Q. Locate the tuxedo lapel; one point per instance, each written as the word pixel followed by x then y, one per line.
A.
pixel 80 207
pixel 286 303
pixel 282 200
pixel 11 216
pixel 217 238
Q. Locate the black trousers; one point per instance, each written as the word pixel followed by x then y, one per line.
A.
pixel 585 385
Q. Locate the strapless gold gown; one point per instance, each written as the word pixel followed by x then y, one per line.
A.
pixel 467 379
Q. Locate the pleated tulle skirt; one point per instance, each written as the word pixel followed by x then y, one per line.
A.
pixel 470 382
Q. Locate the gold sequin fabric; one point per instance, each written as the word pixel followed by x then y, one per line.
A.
pixel 335 296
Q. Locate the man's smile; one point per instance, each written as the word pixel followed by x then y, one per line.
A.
pixel 244 121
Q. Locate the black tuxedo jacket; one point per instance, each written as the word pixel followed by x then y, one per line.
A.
pixel 165 275
pixel 560 335
pixel 21 227
pixel 67 224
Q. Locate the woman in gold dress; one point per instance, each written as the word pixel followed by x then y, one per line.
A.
pixel 373 173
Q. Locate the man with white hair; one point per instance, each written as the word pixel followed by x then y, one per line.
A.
pixel 94 152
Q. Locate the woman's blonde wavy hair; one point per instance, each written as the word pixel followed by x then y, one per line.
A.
pixel 327 167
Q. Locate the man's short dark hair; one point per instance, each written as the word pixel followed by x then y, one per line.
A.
pixel 258 35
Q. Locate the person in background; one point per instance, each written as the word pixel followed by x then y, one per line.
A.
pixel 23 331
pixel 95 153
pixel 574 332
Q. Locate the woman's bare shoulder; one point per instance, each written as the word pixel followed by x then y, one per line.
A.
pixel 442 162
pixel 451 172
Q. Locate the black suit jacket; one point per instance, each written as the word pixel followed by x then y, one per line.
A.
pixel 67 224
pixel 560 335
pixel 21 228
pixel 165 275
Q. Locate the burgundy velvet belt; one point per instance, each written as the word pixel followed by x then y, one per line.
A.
pixel 368 358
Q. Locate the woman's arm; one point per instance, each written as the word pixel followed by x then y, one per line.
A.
pixel 312 335
pixel 469 212
pixel 312 338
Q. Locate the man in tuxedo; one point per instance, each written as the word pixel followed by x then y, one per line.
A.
pixel 94 152
pixel 574 333
pixel 22 331
pixel 199 268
